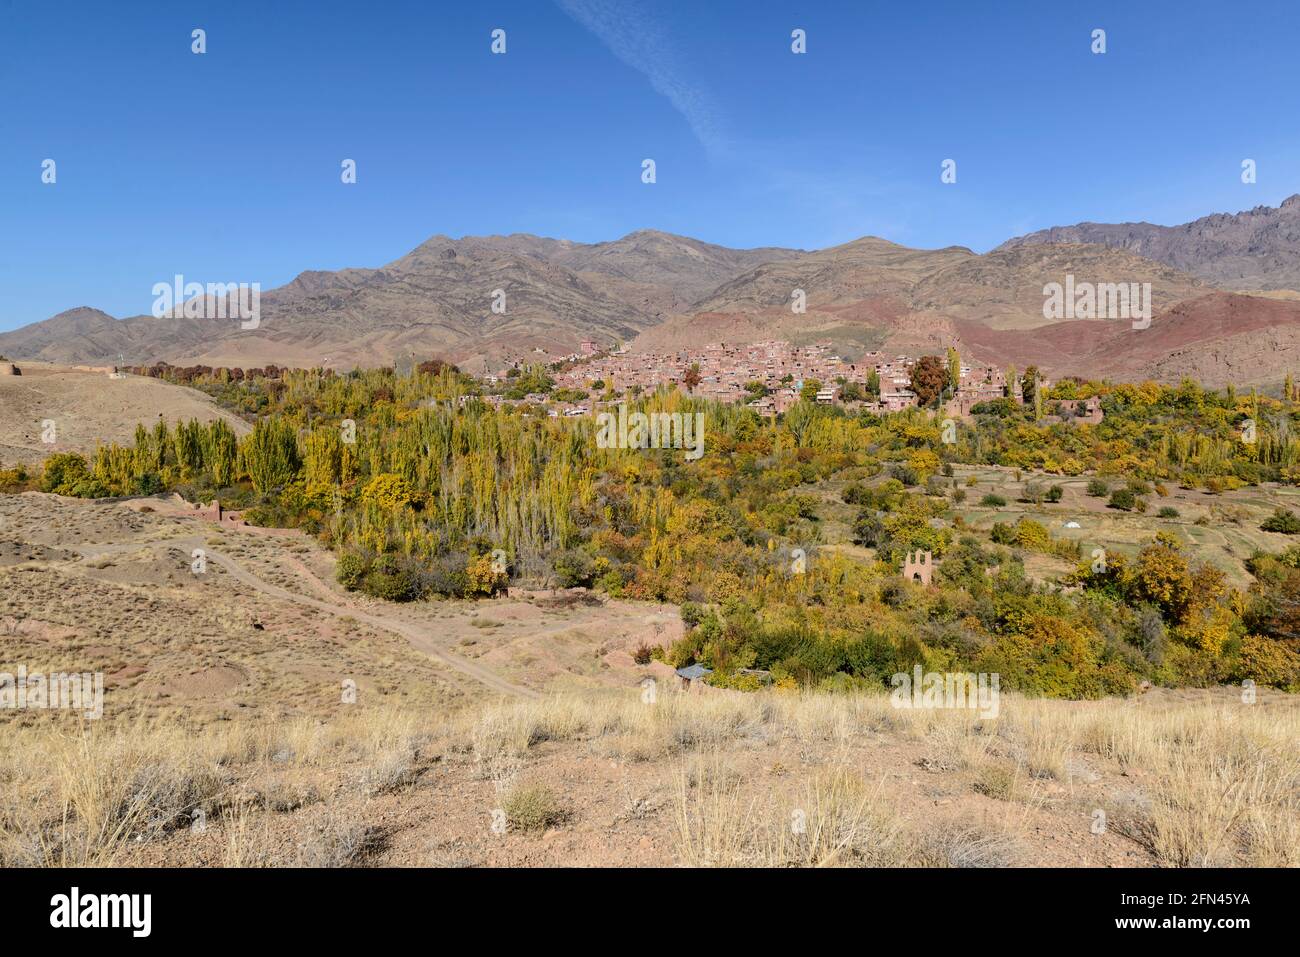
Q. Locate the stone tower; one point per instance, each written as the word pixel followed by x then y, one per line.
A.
pixel 918 567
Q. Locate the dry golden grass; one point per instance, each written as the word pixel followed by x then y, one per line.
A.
pixel 837 819
pixel 96 788
pixel 716 826
pixel 244 845
pixel 1221 781
pixel 1190 782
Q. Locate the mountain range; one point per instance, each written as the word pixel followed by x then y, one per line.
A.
pixel 1252 250
pixel 1222 291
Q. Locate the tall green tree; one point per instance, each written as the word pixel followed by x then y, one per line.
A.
pixel 269 455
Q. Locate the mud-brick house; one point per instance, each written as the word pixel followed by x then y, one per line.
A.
pixel 1083 411
pixel 785 400
pixel 969 396
pixel 896 400
pixel 222 516
pixel 918 567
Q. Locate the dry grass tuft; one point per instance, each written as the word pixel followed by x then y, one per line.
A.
pixel 533 807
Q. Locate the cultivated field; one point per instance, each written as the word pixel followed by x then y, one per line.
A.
pixel 1222 529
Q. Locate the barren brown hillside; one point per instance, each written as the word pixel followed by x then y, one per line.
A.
pixel 1217 340
pixel 1254 249
pixel 435 301
pixel 873 294
pixel 1004 289
pixel 89 409
pixel 669 290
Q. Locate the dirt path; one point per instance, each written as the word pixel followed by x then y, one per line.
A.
pixel 412 633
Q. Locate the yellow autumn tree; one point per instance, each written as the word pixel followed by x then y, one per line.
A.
pixel 388 492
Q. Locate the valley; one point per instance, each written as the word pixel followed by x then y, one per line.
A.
pixel 650 289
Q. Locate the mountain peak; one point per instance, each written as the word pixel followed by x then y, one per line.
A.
pixel 82 314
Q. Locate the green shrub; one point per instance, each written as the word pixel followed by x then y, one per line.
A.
pixel 867 529
pixel 736 681
pixel 90 488
pixel 574 568
pixel 64 473
pixel 993 501
pixel 1098 488
pixel 351 570
pixel 905 474
pixel 611 583
pixel 446 576
pixel 1124 499
pixel 855 494
pixel 390 581
pixel 1167 511
pixel 692 614
pixel 1034 492
pixel 149 483
pixel 1002 534
pixel 1284 521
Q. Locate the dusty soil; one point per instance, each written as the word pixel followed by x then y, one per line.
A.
pixel 89 409
pixel 264 627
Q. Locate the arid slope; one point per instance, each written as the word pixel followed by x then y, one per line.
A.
pixel 88 409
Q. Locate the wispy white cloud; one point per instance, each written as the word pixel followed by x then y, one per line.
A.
pixel 636 37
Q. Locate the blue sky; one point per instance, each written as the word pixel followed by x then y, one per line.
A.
pixel 226 166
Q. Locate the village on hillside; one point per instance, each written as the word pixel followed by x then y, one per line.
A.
pixel 770 377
